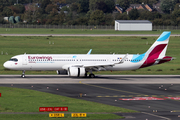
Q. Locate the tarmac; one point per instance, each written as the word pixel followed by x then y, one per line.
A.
pixel 155 96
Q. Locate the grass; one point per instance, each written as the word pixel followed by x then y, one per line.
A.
pixel 77 31
pixel 23 100
pixel 11 46
pixel 67 117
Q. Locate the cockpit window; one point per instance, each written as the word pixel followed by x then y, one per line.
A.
pixel 13 59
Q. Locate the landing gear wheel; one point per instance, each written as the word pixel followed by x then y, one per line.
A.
pixel 23 76
pixel 91 75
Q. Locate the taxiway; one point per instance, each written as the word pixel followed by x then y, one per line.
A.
pixel 99 79
pixel 152 95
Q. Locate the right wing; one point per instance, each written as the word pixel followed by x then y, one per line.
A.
pixel 89 52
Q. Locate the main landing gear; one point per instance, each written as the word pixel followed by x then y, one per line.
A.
pixel 91 75
pixel 23 74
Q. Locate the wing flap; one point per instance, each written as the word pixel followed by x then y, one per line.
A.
pixel 96 67
pixel 99 65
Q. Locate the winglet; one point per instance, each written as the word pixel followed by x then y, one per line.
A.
pixel 124 58
pixel 89 52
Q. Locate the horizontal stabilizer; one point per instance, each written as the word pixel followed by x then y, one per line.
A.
pixel 165 59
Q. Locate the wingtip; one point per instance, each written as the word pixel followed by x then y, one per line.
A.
pixel 89 52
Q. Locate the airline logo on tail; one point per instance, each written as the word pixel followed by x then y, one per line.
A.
pixel 156 53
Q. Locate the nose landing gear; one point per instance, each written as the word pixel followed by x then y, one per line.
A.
pixel 23 74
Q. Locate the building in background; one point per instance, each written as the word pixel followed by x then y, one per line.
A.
pixel 119 9
pixel 134 6
pixel 133 25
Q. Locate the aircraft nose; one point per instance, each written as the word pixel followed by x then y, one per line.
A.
pixel 6 65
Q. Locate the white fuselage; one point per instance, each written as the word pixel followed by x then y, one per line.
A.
pixel 60 61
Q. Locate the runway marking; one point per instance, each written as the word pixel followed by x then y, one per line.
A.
pixel 120 90
pixel 175 111
pixel 109 88
pixel 161 96
pixel 156 115
pixel 142 98
pixel 173 98
pixel 114 96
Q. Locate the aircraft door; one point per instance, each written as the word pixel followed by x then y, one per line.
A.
pixel 108 59
pixel 24 60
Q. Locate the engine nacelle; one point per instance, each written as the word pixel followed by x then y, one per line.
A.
pixel 62 72
pixel 76 72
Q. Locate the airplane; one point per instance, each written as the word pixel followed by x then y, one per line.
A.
pixel 79 65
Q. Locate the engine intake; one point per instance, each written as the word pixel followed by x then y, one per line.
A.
pixel 76 72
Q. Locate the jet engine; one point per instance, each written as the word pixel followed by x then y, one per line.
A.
pixel 62 72
pixel 76 72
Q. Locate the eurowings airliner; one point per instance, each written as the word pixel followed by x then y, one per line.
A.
pixel 79 65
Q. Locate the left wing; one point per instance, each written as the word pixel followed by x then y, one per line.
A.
pixel 96 67
pixel 103 66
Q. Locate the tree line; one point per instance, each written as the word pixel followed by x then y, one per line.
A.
pixel 87 12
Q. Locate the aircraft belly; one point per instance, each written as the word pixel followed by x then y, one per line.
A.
pixel 126 66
